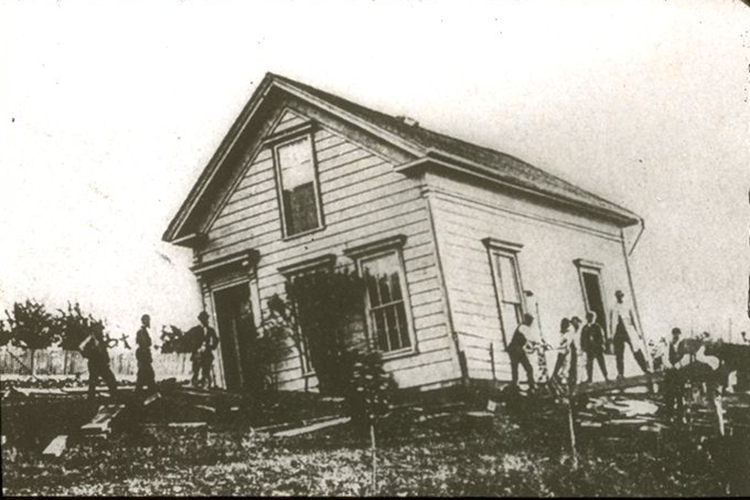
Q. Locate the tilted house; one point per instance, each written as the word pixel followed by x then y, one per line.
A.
pixel 466 238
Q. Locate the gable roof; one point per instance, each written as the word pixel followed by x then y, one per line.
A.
pixel 421 142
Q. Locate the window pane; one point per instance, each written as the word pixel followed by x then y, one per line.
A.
pixel 511 318
pixel 393 335
pixel 372 290
pixel 396 286
pixel 385 288
pixel 297 180
pixel 508 283
pixel 402 325
pixel 380 330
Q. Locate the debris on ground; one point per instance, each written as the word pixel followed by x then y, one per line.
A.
pixel 101 423
pixel 151 398
pixel 312 428
pixel 56 446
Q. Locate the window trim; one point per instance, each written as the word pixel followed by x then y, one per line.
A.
pixel 372 251
pixel 283 140
pixel 495 248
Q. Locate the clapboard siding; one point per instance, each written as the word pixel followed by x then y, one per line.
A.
pixel 465 213
pixel 363 201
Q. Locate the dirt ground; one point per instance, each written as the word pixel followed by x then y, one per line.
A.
pixel 421 450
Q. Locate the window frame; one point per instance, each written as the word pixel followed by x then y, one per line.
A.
pixel 284 140
pixel 379 249
pixel 500 248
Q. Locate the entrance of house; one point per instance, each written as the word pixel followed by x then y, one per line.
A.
pixel 592 291
pixel 234 315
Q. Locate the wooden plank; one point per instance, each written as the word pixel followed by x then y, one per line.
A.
pixel 152 398
pixel 56 446
pixel 188 425
pixel 623 383
pixel 103 419
pixel 313 428
pixel 29 391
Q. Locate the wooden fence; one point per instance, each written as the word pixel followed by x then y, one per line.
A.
pixel 16 362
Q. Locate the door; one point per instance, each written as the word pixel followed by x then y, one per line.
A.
pixel 234 317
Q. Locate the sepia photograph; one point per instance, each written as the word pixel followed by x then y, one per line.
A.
pixel 375 248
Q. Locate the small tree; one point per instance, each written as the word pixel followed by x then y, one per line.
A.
pixel 31 326
pixel 324 304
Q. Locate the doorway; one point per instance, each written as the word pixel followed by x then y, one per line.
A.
pixel 592 292
pixel 236 325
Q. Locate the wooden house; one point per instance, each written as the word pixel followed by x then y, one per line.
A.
pixel 466 238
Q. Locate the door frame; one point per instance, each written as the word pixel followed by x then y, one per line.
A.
pixel 250 280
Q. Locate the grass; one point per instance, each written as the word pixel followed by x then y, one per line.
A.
pixel 452 455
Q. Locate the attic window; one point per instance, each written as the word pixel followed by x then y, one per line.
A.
pixel 298 187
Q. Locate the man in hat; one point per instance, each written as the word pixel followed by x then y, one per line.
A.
pixel 592 343
pixel 94 349
pixel 145 377
pixel 623 331
pixel 204 341
pixel 517 351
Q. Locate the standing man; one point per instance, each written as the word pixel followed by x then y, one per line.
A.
pixel 673 378
pixel 94 349
pixel 145 376
pixel 592 343
pixel 517 351
pixel 624 331
pixel 575 348
pixel 205 341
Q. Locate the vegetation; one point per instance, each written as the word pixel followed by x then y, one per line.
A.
pixel 325 304
pixel 31 326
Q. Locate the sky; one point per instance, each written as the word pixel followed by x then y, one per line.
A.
pixel 110 110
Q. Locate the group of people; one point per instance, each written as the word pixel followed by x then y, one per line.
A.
pixel 577 338
pixel 203 341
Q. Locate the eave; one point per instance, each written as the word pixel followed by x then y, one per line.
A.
pixel 441 161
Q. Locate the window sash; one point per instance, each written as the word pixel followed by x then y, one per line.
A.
pixel 387 322
pixel 299 198
pixel 510 305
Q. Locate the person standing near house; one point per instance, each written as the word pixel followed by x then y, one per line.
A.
pixel 563 348
pixel 592 344
pixel 673 378
pixel 95 351
pixel 205 341
pixel 517 351
pixel 145 377
pixel 624 331
pixel 575 348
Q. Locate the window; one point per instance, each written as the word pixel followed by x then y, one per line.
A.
pixel 589 273
pixel 298 189
pixel 387 321
pixel 507 278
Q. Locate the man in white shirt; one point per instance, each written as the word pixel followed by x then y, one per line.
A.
pixel 517 351
pixel 623 331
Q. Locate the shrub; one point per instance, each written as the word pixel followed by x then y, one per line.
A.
pixel 369 387
pixel 175 340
